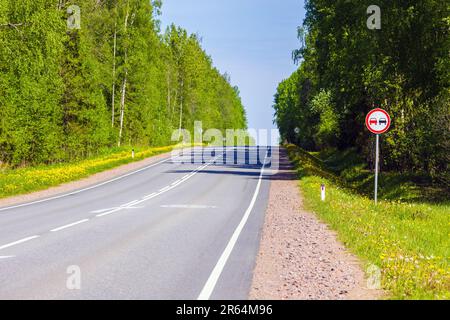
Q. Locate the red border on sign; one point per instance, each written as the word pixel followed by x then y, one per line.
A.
pixel 387 116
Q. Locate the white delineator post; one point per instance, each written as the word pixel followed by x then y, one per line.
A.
pixel 322 192
pixel 132 153
pixel 377 160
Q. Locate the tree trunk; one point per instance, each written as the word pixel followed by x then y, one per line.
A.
pixel 122 107
pixel 124 84
pixel 181 110
pixel 181 117
pixel 172 114
pixel 114 77
pixel 168 93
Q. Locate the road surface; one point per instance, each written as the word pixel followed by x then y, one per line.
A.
pixel 173 230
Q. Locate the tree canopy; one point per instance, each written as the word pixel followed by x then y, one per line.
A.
pixel 66 92
pixel 346 69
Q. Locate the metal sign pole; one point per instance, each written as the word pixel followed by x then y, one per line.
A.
pixel 378 121
pixel 377 157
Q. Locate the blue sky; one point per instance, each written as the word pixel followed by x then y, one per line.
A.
pixel 251 40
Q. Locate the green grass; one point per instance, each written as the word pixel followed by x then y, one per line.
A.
pixel 408 239
pixel 353 173
pixel 25 180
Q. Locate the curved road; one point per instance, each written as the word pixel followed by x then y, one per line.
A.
pixel 175 230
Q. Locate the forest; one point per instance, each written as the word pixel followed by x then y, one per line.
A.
pixel 346 69
pixel 73 82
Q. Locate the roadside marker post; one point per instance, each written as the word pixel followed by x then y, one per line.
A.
pixel 378 121
pixel 322 192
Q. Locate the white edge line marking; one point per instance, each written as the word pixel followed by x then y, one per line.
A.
pixel 85 189
pixel 69 225
pixel 7 257
pixel 208 289
pixel 18 242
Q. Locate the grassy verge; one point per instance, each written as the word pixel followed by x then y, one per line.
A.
pixel 393 186
pixel 408 240
pixel 25 180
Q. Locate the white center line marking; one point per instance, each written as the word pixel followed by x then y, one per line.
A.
pixel 188 206
pixel 69 225
pixel 149 196
pixel 109 212
pixel 102 210
pixel 129 204
pixel 163 190
pixel 208 289
pixel 17 242
pixel 6 257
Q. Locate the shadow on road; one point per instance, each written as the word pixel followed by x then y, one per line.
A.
pixel 279 169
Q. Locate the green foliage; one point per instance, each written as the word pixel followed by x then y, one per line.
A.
pixel 351 172
pixel 404 68
pixel 66 93
pixel 31 38
pixel 408 241
pixel 328 127
pixel 30 179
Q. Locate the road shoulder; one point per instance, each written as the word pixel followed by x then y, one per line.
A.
pixel 300 258
pixel 82 183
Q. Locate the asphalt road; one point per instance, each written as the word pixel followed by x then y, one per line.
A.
pixel 174 230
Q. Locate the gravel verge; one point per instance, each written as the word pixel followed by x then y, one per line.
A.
pixel 300 258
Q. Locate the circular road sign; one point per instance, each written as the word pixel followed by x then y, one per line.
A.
pixel 378 121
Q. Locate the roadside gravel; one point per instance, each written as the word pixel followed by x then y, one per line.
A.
pixel 300 257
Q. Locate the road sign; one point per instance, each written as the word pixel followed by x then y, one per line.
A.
pixel 378 121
